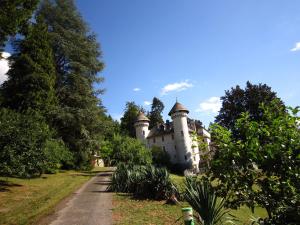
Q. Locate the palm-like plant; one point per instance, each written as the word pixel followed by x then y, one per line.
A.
pixel 143 181
pixel 201 196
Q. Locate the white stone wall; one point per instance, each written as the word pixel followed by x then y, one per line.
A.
pixel 167 143
pixel 195 152
pixel 142 131
pixel 182 137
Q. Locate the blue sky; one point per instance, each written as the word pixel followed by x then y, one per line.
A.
pixel 194 50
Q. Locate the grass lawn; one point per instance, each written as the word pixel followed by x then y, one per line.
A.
pixel 24 201
pixel 128 211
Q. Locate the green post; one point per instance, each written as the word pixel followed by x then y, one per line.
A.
pixel 188 216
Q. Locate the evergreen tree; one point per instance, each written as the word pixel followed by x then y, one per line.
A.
pixel 31 77
pixel 127 121
pixel 237 101
pixel 13 16
pixel 27 146
pixel 79 120
pixel 155 114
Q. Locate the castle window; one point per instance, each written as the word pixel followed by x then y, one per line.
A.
pixel 154 140
pixel 162 138
pixel 194 158
pixel 164 148
pixel 172 136
pixel 175 146
pixel 143 133
pixel 181 133
pixel 185 157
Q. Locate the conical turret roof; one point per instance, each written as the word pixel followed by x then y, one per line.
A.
pixel 142 117
pixel 178 108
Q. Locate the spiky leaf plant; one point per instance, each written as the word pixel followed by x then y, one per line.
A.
pixel 201 196
pixel 143 181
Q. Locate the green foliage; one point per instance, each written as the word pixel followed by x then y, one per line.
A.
pixel 13 16
pixel 125 149
pixel 263 168
pixel 202 197
pixel 80 119
pixel 27 147
pixel 131 112
pixel 155 114
pixel 237 101
pixel 160 157
pixel 143 181
pixel 31 77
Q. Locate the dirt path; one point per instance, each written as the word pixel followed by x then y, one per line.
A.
pixel 90 205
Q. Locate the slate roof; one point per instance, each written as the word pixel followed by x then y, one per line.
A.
pixel 178 107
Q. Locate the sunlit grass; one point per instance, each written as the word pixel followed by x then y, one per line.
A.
pixel 129 211
pixel 23 201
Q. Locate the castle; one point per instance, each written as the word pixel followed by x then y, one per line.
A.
pixel 176 137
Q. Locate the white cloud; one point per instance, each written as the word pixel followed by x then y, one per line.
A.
pixel 296 48
pixel 147 103
pixel 176 87
pixel 136 89
pixel 211 105
pixel 4 67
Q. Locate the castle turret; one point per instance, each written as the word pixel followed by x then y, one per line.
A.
pixel 183 144
pixel 142 127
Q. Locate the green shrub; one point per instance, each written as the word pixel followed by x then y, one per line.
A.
pixel 26 145
pixel 160 157
pixel 127 150
pixel 143 181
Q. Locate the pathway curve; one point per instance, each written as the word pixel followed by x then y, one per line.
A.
pixel 90 205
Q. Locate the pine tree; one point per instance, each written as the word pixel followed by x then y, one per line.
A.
pixel 79 120
pixel 129 117
pixel 31 77
pixel 155 114
pixel 14 14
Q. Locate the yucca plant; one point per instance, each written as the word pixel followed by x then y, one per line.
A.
pixel 142 181
pixel 201 196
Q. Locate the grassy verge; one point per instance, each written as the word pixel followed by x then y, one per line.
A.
pixel 128 211
pixel 23 201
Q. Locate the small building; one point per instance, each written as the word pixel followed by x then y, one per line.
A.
pixel 176 137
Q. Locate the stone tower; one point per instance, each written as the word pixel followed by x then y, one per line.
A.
pixel 183 143
pixel 142 127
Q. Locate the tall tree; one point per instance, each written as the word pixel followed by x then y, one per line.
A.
pixel 13 15
pixel 237 101
pixel 263 168
pixel 155 114
pixel 27 146
pixel 129 117
pixel 31 77
pixel 77 58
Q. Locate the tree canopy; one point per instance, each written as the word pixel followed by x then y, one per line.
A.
pixel 155 116
pixel 263 168
pixel 131 112
pixel 31 77
pixel 237 101
pixel 14 14
pixel 80 117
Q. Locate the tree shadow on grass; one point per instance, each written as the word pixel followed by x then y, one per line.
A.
pixel 6 185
